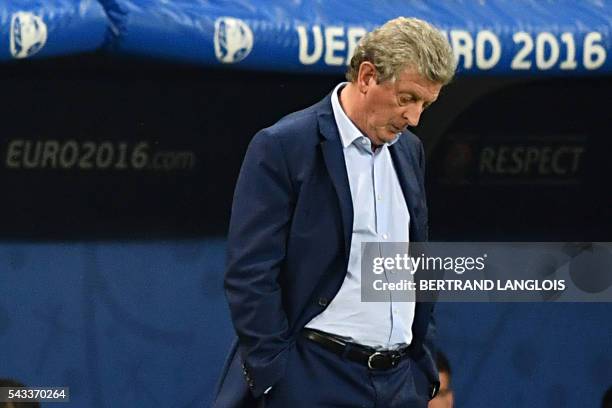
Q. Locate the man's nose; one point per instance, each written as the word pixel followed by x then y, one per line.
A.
pixel 412 113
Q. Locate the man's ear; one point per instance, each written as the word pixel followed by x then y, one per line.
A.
pixel 366 76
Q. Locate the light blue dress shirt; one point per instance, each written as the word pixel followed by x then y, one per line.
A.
pixel 380 214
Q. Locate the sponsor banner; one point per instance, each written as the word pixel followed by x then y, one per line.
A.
pixel 320 37
pixel 50 27
pixel 486 271
pixel 66 187
pixel 89 155
pixel 513 159
pixel 557 38
pixel 109 158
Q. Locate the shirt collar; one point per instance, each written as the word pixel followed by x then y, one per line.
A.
pixel 347 129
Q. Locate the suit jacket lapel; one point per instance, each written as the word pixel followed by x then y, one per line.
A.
pixel 409 183
pixel 401 156
pixel 333 156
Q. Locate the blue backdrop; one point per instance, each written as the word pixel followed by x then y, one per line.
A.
pixel 145 324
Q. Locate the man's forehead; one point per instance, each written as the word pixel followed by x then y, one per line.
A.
pixel 410 81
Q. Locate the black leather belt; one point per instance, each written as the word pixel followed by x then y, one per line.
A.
pixel 367 356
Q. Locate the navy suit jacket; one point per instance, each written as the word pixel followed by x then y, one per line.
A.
pixel 289 241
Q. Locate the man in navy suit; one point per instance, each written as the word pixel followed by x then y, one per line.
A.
pixel 312 188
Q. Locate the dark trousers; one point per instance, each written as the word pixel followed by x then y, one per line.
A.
pixel 316 377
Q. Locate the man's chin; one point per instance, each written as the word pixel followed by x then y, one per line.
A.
pixel 386 136
pixel 390 135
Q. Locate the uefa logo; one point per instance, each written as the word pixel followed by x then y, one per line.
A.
pixel 28 34
pixel 233 40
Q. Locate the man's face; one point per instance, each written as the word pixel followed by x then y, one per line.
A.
pixel 444 399
pixel 391 106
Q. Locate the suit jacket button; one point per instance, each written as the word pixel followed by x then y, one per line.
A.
pixel 323 301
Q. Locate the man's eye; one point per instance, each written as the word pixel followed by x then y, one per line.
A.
pixel 403 100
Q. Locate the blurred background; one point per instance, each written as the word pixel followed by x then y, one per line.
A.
pixel 123 125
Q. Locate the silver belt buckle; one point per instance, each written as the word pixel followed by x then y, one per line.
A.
pixel 376 353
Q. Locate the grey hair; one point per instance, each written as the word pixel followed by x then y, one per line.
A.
pixel 405 43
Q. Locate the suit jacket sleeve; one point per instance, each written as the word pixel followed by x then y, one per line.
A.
pixel 261 214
